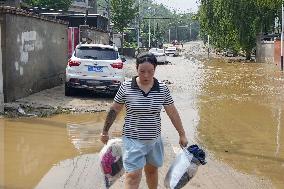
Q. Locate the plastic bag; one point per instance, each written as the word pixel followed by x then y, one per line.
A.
pixel 111 161
pixel 184 167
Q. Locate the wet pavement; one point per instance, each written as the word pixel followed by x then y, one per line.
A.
pixel 233 110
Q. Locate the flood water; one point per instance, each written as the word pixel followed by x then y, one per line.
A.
pixel 241 111
pixel 236 109
pixel 31 148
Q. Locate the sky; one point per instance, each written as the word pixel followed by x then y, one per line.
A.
pixel 180 5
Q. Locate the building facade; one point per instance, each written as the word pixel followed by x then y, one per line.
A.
pixel 31 57
pixel 78 6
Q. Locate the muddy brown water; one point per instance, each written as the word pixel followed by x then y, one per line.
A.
pixel 31 147
pixel 241 111
pixel 236 109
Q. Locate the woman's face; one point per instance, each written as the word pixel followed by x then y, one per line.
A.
pixel 146 72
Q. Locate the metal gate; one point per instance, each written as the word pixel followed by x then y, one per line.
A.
pixel 73 39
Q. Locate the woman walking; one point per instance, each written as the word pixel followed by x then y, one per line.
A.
pixel 144 97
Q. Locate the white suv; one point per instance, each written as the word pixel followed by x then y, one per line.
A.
pixel 94 67
pixel 159 54
pixel 172 51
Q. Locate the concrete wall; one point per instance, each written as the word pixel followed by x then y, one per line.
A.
pixel 265 51
pixel 117 40
pixel 35 55
pixel 79 6
pixel 128 52
pixel 1 74
pixel 100 37
pixel 96 36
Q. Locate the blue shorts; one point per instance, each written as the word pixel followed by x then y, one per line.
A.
pixel 136 153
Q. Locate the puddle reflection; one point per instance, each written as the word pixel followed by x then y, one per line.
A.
pixel 241 118
pixel 30 148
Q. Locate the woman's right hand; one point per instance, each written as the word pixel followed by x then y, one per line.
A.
pixel 183 141
pixel 104 138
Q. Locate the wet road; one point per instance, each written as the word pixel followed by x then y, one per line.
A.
pixel 234 110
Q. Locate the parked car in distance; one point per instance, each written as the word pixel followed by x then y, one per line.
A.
pixel 171 51
pixel 159 54
pixel 229 53
pixel 94 67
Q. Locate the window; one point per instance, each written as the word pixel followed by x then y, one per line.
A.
pixel 160 51
pixel 96 53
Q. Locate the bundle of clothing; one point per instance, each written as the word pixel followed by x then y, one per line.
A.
pixel 111 161
pixel 184 167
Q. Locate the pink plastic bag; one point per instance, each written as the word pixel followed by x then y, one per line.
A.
pixel 111 161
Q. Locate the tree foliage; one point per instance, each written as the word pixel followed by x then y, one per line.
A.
pixel 181 25
pixel 122 13
pixel 236 23
pixel 58 4
pixel 150 9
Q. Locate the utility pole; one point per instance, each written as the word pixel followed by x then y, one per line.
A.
pixel 108 15
pixel 138 27
pixel 154 24
pixel 169 35
pixel 149 34
pixel 176 33
pixel 189 31
pixel 208 40
pixel 282 36
pixel 86 17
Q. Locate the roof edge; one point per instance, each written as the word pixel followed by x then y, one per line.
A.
pixel 22 12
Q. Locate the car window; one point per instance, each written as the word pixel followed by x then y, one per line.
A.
pixel 96 53
pixel 171 48
pixel 153 50
pixel 160 51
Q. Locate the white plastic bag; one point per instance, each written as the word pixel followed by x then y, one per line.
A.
pixel 184 167
pixel 111 161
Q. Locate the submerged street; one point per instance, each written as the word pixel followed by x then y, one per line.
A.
pixel 235 111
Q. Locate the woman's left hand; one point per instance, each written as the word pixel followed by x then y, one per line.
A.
pixel 183 141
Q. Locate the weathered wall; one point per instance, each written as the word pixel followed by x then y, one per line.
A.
pixel 1 73
pixel 127 52
pixel 265 51
pixel 100 37
pixel 96 36
pixel 35 55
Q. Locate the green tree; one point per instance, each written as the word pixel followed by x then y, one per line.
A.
pixel 236 23
pixel 58 4
pixel 122 13
pixel 175 24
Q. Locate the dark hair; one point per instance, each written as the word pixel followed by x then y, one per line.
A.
pixel 146 57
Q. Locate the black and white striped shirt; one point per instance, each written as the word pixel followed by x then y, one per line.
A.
pixel 143 121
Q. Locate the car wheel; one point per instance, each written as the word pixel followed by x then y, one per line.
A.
pixel 113 93
pixel 68 90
